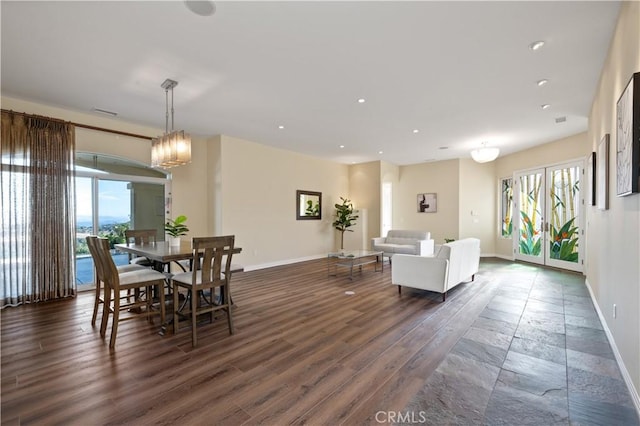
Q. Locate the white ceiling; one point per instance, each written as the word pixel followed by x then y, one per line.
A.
pixel 459 72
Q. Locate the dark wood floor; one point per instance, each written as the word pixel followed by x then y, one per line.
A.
pixel 304 351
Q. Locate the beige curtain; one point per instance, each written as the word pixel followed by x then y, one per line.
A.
pixel 38 209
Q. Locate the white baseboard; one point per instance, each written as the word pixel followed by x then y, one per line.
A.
pixel 283 262
pixel 623 369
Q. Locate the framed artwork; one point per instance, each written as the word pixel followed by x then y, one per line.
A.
pixel 628 138
pixel 591 179
pixel 602 173
pixel 427 202
pixel 308 205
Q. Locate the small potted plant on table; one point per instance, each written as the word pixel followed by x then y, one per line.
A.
pixel 175 229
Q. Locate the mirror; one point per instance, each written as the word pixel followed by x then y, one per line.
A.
pixel 308 205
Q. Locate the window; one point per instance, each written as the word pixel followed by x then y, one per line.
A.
pixel 506 207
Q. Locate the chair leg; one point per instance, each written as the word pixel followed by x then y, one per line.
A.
pixel 106 305
pixel 116 320
pixel 162 306
pixel 96 302
pixel 444 296
pixel 194 316
pixel 175 308
pixel 227 301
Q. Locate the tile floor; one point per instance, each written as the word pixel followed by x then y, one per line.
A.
pixel 536 355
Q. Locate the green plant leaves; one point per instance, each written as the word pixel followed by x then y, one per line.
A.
pixel 176 227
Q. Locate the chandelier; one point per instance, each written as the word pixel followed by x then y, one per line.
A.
pixel 484 154
pixel 173 148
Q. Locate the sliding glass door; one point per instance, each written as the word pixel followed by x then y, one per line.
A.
pixel 108 203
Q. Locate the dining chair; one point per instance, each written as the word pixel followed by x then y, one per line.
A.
pixel 115 283
pixel 140 236
pixel 208 274
pixel 99 274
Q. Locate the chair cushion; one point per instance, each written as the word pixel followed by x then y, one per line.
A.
pixel 187 277
pixel 129 268
pixel 141 276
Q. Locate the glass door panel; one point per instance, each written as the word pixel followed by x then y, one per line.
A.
pixel 84 226
pixel 530 220
pixel 563 215
pixel 114 213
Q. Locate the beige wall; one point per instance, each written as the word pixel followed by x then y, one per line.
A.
pixel 364 192
pixel 258 187
pixel 570 148
pixel 443 178
pixel 613 245
pixel 477 204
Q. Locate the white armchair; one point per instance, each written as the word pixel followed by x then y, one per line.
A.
pixel 454 263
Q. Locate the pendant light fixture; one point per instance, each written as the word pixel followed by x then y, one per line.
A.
pixel 173 148
pixel 484 154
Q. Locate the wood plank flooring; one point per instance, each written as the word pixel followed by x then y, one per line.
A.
pixel 303 352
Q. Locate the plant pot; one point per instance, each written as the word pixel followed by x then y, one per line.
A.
pixel 174 241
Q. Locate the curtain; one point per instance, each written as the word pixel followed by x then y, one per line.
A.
pixel 38 209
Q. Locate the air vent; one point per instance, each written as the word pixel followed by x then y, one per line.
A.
pixel 561 119
pixel 105 112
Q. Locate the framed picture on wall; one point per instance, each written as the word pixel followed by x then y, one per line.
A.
pixel 591 179
pixel 628 138
pixel 427 202
pixel 602 195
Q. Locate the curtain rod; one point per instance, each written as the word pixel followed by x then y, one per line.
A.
pixel 84 126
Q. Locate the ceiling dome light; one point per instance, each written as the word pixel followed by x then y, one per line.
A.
pixel 542 82
pixel 416 131
pixel 361 100
pixel 379 152
pixel 341 146
pixel 281 127
pixel 484 154
pixel 536 45
pixel 545 106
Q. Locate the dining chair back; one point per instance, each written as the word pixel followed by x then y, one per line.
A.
pixel 99 275
pixel 209 273
pixel 140 236
pixel 115 282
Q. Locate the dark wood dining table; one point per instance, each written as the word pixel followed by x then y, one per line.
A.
pixel 162 253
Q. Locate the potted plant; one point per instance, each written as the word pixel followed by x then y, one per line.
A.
pixel 176 228
pixel 345 218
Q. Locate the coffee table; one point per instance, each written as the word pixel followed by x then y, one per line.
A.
pixel 351 258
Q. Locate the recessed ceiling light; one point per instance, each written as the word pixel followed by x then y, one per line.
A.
pixel 341 146
pixel 443 147
pixel 416 131
pixel 379 152
pixel 536 45
pixel 545 106
pixel 280 127
pixel 542 82
pixel 361 100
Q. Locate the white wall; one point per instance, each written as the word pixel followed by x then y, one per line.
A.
pixel 613 245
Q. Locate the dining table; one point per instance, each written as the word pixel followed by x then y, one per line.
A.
pixel 162 253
